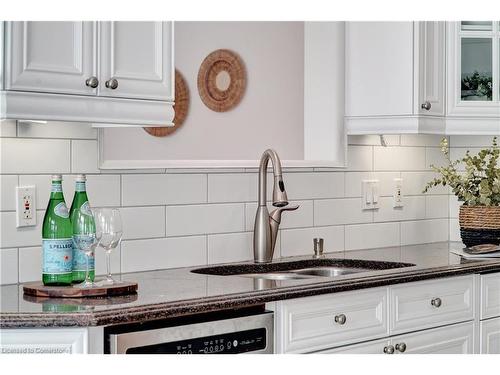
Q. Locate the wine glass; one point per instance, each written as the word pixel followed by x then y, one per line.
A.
pixel 86 241
pixel 109 231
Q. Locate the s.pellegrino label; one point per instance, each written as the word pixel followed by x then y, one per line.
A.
pixel 57 256
pixel 83 232
pixel 57 239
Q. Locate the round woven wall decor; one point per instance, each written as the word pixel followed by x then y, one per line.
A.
pixel 221 80
pixel 181 107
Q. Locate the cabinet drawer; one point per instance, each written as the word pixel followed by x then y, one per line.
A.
pixel 315 323
pixel 371 347
pixel 431 303
pixel 454 339
pixel 490 295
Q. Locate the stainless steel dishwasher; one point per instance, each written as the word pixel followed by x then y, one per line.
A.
pixel 238 332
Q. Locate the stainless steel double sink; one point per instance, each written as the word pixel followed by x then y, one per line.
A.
pixel 300 269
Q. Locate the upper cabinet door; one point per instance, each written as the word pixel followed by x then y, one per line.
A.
pixel 474 68
pixel 50 57
pixel 136 60
pixel 431 81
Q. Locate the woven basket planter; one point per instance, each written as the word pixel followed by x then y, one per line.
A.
pixel 479 225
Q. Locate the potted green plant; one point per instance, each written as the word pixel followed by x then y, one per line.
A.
pixel 478 187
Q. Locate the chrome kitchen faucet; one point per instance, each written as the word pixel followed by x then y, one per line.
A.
pixel 266 226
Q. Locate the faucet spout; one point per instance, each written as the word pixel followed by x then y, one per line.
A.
pixel 266 226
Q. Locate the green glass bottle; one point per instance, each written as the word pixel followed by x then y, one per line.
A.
pixel 83 230
pixel 57 244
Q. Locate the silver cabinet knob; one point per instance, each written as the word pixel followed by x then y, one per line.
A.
pixel 401 347
pixel 427 105
pixel 436 302
pixel 340 319
pixel 92 82
pixel 389 349
pixel 112 83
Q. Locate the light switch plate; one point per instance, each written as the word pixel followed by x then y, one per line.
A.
pixel 370 190
pixel 397 195
pixel 25 206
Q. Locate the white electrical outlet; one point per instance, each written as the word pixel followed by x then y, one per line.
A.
pixel 397 195
pixel 25 206
pixel 370 191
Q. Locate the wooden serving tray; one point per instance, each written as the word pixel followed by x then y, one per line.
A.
pixel 37 289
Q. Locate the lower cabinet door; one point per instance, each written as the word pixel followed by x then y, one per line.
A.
pixel 371 347
pixel 452 339
pixel 44 341
pixel 490 336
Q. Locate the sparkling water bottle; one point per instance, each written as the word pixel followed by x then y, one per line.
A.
pixel 57 244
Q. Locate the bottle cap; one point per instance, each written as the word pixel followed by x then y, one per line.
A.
pixel 57 177
pixel 81 177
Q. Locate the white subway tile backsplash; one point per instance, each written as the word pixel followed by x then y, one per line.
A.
pixel 157 189
pixel 454 206
pixel 302 217
pixel 360 158
pixel 398 158
pixel 300 241
pixel 155 254
pixel 421 140
pixel 413 209
pixel 415 182
pixel 84 156
pixel 369 236
pixel 16 237
pixel 353 182
pixel 234 247
pixel 434 156
pixel 225 188
pixel 57 129
pixel 467 141
pixel 8 266
pixel 143 222
pixel 340 211
pixel 424 231
pixel 22 155
pixel 30 264
pixel 8 185
pixel 437 206
pixel 455 230
pixel 203 219
pixel 373 140
pixel 315 185
pixel 7 128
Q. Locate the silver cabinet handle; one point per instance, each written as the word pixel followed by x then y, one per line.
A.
pixel 92 82
pixel 427 105
pixel 112 83
pixel 401 347
pixel 389 349
pixel 340 319
pixel 436 302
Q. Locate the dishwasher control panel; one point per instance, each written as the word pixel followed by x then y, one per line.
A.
pixel 229 343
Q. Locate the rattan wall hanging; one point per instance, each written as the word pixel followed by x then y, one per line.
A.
pixel 221 80
pixel 181 108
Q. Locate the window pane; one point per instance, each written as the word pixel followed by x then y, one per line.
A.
pixel 477 25
pixel 476 74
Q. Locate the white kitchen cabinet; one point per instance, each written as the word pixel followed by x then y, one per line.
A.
pixel 451 339
pixel 138 55
pixel 490 295
pixel 394 77
pixel 490 336
pixel 55 57
pixel 44 341
pixel 55 71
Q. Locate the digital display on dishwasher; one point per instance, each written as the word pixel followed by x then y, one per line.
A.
pixel 227 343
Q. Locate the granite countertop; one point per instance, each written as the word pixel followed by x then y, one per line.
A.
pixel 176 292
